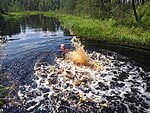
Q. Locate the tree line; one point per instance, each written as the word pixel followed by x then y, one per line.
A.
pixel 104 9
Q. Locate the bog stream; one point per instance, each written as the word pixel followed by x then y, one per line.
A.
pixel 42 80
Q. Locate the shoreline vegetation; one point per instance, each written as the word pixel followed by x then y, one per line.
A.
pixel 107 31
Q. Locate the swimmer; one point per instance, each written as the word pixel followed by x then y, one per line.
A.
pixel 63 49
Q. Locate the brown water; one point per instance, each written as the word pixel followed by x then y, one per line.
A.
pixel 96 78
pixel 80 57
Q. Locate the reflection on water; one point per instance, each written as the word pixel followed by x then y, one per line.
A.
pixel 13 26
pixel 45 83
pixel 30 33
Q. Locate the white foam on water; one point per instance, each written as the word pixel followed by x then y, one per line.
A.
pixel 116 80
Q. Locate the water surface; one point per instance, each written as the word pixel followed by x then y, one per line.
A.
pixel 29 47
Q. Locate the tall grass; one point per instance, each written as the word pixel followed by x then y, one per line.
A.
pixel 106 30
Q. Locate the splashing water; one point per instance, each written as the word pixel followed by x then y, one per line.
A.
pixel 80 57
pixel 72 85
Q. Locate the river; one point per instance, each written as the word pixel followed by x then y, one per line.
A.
pixel 29 47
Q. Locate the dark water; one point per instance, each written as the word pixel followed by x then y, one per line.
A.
pixel 33 39
pixel 25 40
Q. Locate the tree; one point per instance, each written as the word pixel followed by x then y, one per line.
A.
pixel 68 6
pixel 134 10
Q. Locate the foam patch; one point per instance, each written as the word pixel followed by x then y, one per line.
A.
pixel 119 87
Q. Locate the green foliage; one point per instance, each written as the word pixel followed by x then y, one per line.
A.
pixel 29 5
pixel 101 29
pixel 144 14
pixel 120 10
pixel 68 6
pixel 107 19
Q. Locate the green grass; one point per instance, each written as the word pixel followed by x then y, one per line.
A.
pixel 17 15
pixel 106 30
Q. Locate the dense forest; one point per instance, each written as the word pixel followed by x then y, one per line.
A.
pixel 138 10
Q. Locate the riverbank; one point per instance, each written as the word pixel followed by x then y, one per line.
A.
pixel 107 31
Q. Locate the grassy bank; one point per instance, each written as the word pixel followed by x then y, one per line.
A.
pixel 107 30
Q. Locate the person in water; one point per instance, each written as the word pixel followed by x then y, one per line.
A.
pixel 63 50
